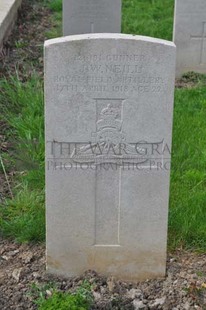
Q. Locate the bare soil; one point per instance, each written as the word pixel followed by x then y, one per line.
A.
pixel 23 266
pixel 23 50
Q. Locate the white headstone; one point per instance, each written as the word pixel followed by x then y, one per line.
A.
pixel 91 16
pixel 190 36
pixel 109 106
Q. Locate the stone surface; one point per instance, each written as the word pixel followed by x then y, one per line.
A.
pixel 190 35
pixel 138 304
pixel 8 12
pixel 16 274
pixel 109 106
pixel 91 16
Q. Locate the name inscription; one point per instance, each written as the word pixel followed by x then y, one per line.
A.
pixel 108 73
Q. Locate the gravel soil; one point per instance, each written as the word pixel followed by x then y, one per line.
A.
pixel 23 266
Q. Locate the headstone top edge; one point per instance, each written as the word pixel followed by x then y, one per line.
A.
pixel 105 36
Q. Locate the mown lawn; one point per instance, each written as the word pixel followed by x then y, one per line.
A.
pixel 152 18
pixel 23 217
pixel 187 218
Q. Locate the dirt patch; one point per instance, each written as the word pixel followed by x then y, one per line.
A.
pixel 23 50
pixel 191 80
pixel 23 266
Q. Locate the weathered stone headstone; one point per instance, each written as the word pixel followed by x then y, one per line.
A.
pixel 190 35
pixel 91 16
pixel 109 106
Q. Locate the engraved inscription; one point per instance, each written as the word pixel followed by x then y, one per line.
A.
pixel 89 9
pixel 109 73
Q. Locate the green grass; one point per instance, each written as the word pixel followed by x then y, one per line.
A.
pixel 22 106
pixel 55 31
pixel 187 226
pixel 152 18
pixel 56 7
pixel 23 218
pixel 65 301
pixel 81 299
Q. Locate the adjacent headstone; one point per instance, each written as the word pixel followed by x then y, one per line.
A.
pixel 109 106
pixel 8 15
pixel 190 35
pixel 91 16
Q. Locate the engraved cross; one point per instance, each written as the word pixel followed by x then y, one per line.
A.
pixel 108 182
pixel 92 27
pixel 202 39
pixel 109 152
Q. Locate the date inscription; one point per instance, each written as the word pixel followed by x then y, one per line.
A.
pixel 108 73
